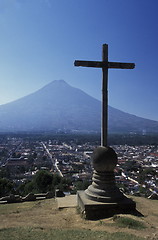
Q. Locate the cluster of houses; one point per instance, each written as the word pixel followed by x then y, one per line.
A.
pixel 137 167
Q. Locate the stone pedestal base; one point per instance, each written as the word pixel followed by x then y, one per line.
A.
pixel 91 209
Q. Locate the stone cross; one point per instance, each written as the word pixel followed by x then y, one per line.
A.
pixel 104 64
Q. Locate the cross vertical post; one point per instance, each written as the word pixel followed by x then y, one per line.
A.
pixel 104 132
pixel 105 65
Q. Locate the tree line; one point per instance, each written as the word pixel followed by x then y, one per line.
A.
pixel 42 182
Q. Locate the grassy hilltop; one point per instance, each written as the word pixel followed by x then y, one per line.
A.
pixel 42 220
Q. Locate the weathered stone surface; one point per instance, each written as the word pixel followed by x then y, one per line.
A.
pixel 11 198
pixel 67 201
pixel 104 159
pixel 49 195
pixel 91 209
pixel 29 197
pixel 103 198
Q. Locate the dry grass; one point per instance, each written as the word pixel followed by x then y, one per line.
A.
pixel 31 219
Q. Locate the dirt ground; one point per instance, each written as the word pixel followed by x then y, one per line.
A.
pixel 45 214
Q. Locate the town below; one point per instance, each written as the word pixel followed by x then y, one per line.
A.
pixel 42 163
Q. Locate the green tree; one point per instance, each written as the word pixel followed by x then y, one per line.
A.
pixel 29 187
pixel 43 181
pixel 64 184
pixel 82 185
pixel 6 187
pixel 56 179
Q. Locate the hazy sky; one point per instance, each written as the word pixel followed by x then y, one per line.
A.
pixel 40 39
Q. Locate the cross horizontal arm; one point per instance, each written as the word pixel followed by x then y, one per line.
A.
pixel 99 64
pixel 96 64
pixel 121 65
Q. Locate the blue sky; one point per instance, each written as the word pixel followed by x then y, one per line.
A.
pixel 40 39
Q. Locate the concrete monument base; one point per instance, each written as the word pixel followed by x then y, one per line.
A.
pixel 91 209
pixel 103 198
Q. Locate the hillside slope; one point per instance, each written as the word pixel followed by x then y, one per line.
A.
pixel 58 106
pixel 43 216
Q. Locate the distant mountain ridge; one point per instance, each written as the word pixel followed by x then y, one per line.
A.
pixel 59 106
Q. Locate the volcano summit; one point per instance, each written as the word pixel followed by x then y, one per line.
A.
pixel 59 106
